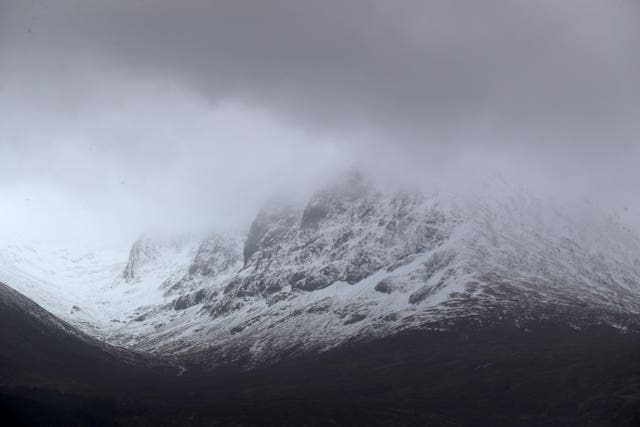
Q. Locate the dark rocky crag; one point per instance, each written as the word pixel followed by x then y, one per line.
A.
pixel 345 233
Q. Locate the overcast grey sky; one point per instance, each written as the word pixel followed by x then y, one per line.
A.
pixel 116 116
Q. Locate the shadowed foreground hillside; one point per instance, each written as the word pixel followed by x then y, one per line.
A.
pixel 541 373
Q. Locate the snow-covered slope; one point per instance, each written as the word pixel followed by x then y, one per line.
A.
pixel 360 262
pixel 67 282
pixel 109 293
pixel 102 290
pixel 355 262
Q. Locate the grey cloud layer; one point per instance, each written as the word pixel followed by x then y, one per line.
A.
pixel 547 86
pixel 431 65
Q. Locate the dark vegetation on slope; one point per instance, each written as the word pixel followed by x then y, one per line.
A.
pixel 541 373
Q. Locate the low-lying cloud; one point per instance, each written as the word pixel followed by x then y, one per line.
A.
pixel 159 112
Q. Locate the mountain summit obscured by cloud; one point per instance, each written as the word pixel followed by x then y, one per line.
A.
pixel 117 115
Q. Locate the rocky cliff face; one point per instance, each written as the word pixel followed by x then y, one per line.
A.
pixel 218 257
pixel 150 253
pixel 347 232
pixel 359 262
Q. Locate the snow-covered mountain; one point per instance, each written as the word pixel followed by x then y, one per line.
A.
pixel 356 262
pixel 70 283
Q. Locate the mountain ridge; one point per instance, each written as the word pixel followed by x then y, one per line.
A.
pixel 358 261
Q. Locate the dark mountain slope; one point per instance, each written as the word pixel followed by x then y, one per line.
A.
pixel 41 350
pixel 472 373
pixel 51 374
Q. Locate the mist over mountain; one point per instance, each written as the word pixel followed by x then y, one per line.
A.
pixel 347 212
